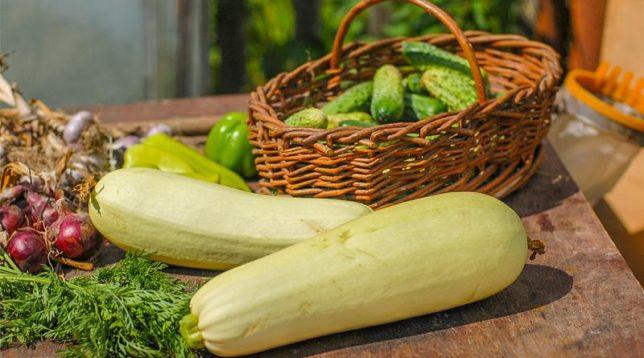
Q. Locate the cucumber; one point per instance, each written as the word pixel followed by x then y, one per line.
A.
pixel 345 85
pixel 407 260
pixel 414 84
pixel 387 103
pixel 422 54
pixel 192 223
pixel 450 86
pixel 334 120
pixel 420 107
pixel 355 99
pixel 354 123
pixel 308 118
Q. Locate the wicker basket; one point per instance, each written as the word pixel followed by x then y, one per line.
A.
pixel 495 148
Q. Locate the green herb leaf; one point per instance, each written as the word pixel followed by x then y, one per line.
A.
pixel 129 309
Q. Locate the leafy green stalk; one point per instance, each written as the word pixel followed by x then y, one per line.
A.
pixel 129 309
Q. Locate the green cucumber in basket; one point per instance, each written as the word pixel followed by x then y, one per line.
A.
pixel 355 99
pixel 336 119
pixel 419 107
pixel 387 102
pixel 414 84
pixel 426 56
pixel 354 123
pixel 450 86
pixel 422 54
pixel 308 118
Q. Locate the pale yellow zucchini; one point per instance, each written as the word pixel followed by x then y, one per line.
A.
pixel 192 223
pixel 407 260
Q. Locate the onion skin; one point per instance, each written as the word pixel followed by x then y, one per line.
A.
pixel 11 218
pixel 28 250
pixel 76 236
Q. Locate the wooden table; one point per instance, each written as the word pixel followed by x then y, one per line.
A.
pixel 579 298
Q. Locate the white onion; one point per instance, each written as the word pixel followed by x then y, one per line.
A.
pixel 76 125
pixel 125 142
pixel 159 128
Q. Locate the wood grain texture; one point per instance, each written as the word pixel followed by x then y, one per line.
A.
pixel 622 43
pixel 169 109
pixel 578 299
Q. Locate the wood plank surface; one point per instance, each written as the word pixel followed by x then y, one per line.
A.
pixel 169 109
pixel 622 43
pixel 579 299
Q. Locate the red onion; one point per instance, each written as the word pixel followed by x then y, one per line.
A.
pixel 49 216
pixel 76 236
pixel 11 193
pixel 37 204
pixel 28 250
pixel 11 218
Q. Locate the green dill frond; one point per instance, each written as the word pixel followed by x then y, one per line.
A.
pixel 129 309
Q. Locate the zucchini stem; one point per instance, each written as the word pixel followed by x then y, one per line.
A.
pixel 188 326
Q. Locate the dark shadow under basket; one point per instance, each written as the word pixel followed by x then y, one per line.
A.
pixel 494 147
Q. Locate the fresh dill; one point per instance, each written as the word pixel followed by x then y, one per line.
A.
pixel 129 309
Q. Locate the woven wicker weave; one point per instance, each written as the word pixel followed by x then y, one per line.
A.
pixel 494 148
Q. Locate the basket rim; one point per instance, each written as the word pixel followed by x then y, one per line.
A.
pixel 549 80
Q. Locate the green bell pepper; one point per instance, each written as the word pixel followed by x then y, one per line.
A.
pixel 140 155
pixel 199 163
pixel 228 145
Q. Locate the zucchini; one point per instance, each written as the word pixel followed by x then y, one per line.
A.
pixel 387 103
pixel 420 107
pixel 192 223
pixel 411 259
pixel 355 99
pixel 308 118
pixel 450 86
pixel 336 119
pixel 414 84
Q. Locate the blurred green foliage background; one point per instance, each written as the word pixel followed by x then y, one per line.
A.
pixel 279 35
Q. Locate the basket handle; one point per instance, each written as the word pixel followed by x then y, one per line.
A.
pixel 429 8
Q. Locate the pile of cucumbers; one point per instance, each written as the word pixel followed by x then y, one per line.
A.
pixel 440 82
